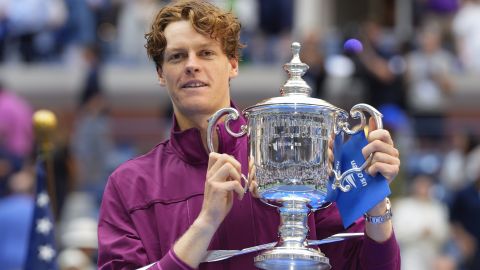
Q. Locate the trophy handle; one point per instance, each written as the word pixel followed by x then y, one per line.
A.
pixel 356 112
pixel 212 121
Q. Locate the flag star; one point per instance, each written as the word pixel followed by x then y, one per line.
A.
pixel 46 253
pixel 44 226
pixel 42 199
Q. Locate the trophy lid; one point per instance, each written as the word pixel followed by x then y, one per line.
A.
pixel 295 91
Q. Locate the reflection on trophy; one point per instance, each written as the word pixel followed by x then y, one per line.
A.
pixel 288 140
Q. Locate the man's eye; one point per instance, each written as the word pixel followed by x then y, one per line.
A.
pixel 207 53
pixel 174 57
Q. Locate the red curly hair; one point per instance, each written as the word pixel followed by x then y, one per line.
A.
pixel 207 19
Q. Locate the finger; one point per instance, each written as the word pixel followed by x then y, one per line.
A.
pixel 385 158
pixel 212 158
pixel 331 160
pixel 381 135
pixel 252 169
pixel 254 189
pixel 220 160
pixel 379 146
pixel 331 157
pixel 330 168
pixel 331 141
pixel 389 171
pixel 230 186
pixel 227 172
pixel 371 125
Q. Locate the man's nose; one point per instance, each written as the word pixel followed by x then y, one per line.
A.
pixel 192 65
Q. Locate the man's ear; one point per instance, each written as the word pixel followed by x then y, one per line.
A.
pixel 160 77
pixel 234 67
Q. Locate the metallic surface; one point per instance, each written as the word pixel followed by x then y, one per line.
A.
pixel 220 255
pixel 289 138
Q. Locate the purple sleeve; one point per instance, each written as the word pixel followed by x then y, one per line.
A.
pixel 171 262
pixel 359 253
pixel 380 256
pixel 371 255
pixel 119 246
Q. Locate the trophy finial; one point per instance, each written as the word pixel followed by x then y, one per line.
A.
pixel 296 50
pixel 295 69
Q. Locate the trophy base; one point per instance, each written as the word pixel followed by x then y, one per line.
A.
pixel 292 259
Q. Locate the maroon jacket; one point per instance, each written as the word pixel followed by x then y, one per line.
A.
pixel 150 201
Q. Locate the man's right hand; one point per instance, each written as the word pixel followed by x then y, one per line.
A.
pixel 222 182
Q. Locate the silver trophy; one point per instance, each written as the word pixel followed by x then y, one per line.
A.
pixel 288 140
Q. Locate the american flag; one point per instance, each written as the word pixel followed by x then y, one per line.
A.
pixel 42 253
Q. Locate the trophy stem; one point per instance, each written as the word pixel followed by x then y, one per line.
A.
pixel 293 224
pixel 292 251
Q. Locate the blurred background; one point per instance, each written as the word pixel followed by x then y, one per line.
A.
pixel 85 61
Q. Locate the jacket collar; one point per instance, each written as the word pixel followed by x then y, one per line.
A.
pixel 189 146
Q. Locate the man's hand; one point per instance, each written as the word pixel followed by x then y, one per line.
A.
pixel 385 161
pixel 385 156
pixel 223 181
pixel 253 185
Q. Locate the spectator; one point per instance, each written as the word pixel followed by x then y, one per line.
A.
pixel 26 19
pixel 74 259
pixel 3 29
pixel 421 224
pixel 133 23
pixel 275 23
pixel 16 211
pixel 380 67
pixel 472 163
pixel 466 223
pixel 312 54
pixel 442 13
pixel 453 174
pixel 429 70
pixel 91 140
pixel 16 134
pixel 467 35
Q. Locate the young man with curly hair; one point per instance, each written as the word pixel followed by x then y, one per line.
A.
pixel 168 207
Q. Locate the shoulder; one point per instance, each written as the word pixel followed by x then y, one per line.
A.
pixel 133 169
pixel 136 176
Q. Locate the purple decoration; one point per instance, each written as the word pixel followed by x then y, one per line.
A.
pixel 353 45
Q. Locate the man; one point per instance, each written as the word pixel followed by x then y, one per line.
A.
pixel 170 205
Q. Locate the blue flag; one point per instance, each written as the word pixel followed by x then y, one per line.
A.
pixel 366 190
pixel 42 253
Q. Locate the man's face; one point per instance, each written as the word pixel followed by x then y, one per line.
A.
pixel 196 72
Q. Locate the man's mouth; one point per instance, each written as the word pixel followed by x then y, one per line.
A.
pixel 194 84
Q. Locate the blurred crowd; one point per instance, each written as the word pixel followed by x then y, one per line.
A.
pixel 408 78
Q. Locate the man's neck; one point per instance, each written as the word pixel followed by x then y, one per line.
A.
pixel 199 122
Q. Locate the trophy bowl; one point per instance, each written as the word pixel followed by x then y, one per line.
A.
pixel 289 138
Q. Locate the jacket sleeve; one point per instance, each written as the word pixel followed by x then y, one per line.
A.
pixel 119 245
pixel 367 254
pixel 361 253
pixel 384 255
